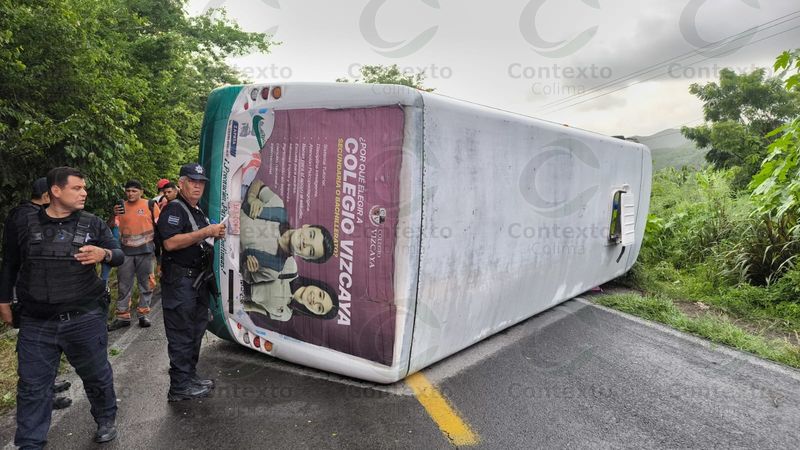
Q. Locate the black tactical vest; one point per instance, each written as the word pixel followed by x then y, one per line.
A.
pixel 50 274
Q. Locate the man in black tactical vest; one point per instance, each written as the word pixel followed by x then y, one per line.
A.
pixel 17 218
pixel 187 277
pixel 64 306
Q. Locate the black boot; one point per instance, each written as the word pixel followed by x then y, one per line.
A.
pixel 61 386
pixel 189 393
pixel 61 402
pixel 105 432
pixel 209 383
pixel 144 322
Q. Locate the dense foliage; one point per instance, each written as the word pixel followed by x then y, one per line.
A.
pixel 776 188
pixel 116 88
pixel 710 239
pixel 740 112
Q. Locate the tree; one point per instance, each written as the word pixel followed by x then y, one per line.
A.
pixel 741 110
pixel 776 187
pixel 378 74
pixel 115 88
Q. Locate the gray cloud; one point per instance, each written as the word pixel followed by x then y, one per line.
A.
pixel 476 44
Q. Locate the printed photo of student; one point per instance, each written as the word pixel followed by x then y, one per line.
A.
pixel 281 299
pixel 267 240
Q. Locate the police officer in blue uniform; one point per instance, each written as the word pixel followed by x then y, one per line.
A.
pixel 186 281
pixel 63 307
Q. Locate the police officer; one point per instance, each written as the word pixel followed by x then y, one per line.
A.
pixel 64 306
pixel 16 219
pixel 187 238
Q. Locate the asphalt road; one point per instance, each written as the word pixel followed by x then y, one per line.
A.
pixel 575 376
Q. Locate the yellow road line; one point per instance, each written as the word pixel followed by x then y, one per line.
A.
pixel 440 410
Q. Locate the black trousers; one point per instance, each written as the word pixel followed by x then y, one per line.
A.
pixel 84 340
pixel 185 322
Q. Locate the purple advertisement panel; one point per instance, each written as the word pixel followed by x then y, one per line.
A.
pixel 318 227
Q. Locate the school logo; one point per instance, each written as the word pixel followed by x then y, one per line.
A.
pixel 377 215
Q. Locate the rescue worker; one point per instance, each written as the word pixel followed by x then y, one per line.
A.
pixel 39 198
pixel 187 277
pixel 63 307
pixel 136 234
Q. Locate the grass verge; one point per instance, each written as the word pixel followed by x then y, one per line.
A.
pixel 715 328
pixel 8 370
pixel 761 305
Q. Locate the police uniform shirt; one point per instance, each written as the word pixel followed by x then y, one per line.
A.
pixel 173 220
pixel 16 220
pixel 15 253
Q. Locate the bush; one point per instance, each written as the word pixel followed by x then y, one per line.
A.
pixel 787 289
pixel 698 222
pixel 692 213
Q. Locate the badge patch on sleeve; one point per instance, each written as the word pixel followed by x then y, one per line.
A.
pixel 174 220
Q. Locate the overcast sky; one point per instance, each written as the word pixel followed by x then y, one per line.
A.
pixel 542 58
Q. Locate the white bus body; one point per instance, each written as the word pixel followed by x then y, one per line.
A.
pixel 459 220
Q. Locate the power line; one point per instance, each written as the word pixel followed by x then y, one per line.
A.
pixel 658 75
pixel 686 55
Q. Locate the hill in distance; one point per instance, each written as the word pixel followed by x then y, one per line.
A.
pixel 670 149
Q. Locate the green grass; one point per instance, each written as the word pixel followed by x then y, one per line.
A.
pixel 756 304
pixel 714 328
pixel 8 370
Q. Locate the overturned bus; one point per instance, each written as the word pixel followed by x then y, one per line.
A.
pixel 377 229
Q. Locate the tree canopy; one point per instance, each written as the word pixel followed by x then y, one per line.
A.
pixel 115 88
pixel 379 74
pixel 776 187
pixel 740 111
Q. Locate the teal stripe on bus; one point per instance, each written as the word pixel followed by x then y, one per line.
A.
pixel 212 143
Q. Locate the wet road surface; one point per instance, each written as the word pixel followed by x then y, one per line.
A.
pixel 575 376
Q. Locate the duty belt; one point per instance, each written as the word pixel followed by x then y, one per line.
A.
pixel 190 272
pixel 62 317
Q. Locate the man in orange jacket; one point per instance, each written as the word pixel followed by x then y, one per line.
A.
pixel 136 232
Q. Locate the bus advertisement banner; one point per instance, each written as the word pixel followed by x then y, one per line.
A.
pixel 317 224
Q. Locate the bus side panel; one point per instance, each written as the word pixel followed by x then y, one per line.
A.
pixel 212 143
pixel 337 169
pixel 517 221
